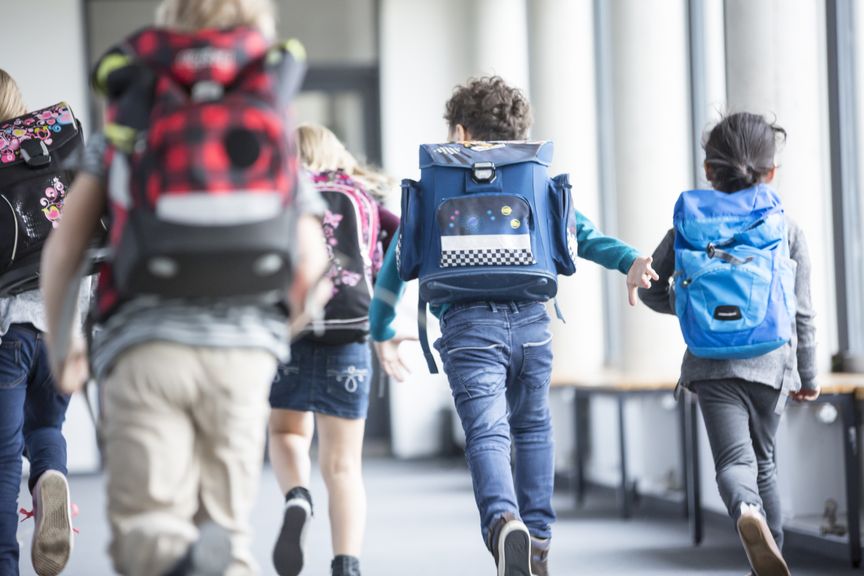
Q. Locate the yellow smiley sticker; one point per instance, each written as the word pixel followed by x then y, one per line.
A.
pixel 515 223
pixel 506 210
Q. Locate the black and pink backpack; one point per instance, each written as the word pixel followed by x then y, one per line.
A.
pixel 34 178
pixel 352 231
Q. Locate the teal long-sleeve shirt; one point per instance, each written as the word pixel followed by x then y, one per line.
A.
pixel 593 245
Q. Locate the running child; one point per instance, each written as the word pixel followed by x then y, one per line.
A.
pixel 736 270
pixel 191 323
pixel 498 354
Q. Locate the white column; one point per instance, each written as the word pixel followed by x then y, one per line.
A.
pixel 652 155
pixel 564 103
pixel 777 65
pixel 425 52
pixel 858 14
pixel 499 36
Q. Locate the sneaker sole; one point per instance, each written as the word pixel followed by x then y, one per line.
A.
pixel 764 556
pixel 52 540
pixel 516 550
pixel 288 551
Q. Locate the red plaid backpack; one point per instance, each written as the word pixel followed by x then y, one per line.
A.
pixel 352 232
pixel 202 165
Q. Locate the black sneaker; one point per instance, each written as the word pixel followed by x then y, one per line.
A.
pixel 288 551
pixel 511 546
pixel 345 566
pixel 210 555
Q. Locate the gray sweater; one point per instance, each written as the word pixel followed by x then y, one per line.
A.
pixel 796 360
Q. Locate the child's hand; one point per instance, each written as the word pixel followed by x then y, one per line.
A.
pixel 806 394
pixel 73 374
pixel 390 359
pixel 639 276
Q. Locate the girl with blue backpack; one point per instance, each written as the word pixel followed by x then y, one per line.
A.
pixel 736 271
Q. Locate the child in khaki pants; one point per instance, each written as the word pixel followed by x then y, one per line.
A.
pixel 185 380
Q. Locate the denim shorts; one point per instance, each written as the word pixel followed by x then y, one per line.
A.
pixel 325 379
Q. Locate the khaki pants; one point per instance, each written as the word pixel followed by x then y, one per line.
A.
pixel 184 440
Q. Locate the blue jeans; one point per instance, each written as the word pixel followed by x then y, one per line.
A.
pixel 498 358
pixel 31 418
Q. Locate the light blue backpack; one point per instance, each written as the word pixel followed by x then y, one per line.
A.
pixel 485 223
pixel 734 279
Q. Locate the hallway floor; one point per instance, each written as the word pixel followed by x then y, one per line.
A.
pixel 422 522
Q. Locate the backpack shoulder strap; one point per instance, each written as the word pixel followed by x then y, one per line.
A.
pixel 424 335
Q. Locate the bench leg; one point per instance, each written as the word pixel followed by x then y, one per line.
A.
pixel 579 428
pixel 622 451
pixel 852 463
pixel 696 516
pixel 685 460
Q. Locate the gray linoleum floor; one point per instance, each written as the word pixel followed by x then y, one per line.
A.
pixel 422 522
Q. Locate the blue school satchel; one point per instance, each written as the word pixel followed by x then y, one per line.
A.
pixel 485 223
pixel 734 279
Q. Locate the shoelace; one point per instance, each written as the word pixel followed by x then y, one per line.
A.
pixel 28 514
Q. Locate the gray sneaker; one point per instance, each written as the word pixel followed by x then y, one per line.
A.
pixel 511 546
pixel 540 556
pixel 210 555
pixel 52 536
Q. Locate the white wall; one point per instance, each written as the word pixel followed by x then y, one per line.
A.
pixel 331 30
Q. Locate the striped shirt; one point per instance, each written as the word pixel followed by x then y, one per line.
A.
pixel 223 323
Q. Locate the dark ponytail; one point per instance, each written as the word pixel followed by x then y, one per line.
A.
pixel 739 151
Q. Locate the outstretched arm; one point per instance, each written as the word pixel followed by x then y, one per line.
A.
pixel 658 296
pixel 614 254
pixel 389 288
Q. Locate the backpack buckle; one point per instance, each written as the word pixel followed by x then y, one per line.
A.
pixel 207 91
pixel 35 153
pixel 483 172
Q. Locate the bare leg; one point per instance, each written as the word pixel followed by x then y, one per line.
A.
pixel 341 456
pixel 290 439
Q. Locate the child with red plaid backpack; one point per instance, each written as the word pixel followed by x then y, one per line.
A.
pixel 210 231
pixel 328 380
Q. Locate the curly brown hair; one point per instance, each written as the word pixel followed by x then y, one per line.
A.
pixel 489 109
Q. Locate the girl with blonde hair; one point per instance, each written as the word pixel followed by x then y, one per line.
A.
pixel 328 380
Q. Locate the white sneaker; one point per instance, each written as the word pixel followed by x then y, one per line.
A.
pixel 762 551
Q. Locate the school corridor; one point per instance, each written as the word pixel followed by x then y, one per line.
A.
pixel 422 522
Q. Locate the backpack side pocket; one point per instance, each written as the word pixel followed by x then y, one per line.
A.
pixel 408 245
pixel 562 229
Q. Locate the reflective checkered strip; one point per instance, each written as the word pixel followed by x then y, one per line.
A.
pixel 491 257
pixel 486 250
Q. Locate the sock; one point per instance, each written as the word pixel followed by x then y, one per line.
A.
pixel 302 493
pixel 344 565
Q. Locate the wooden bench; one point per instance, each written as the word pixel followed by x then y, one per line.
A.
pixel 622 387
pixel 844 391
